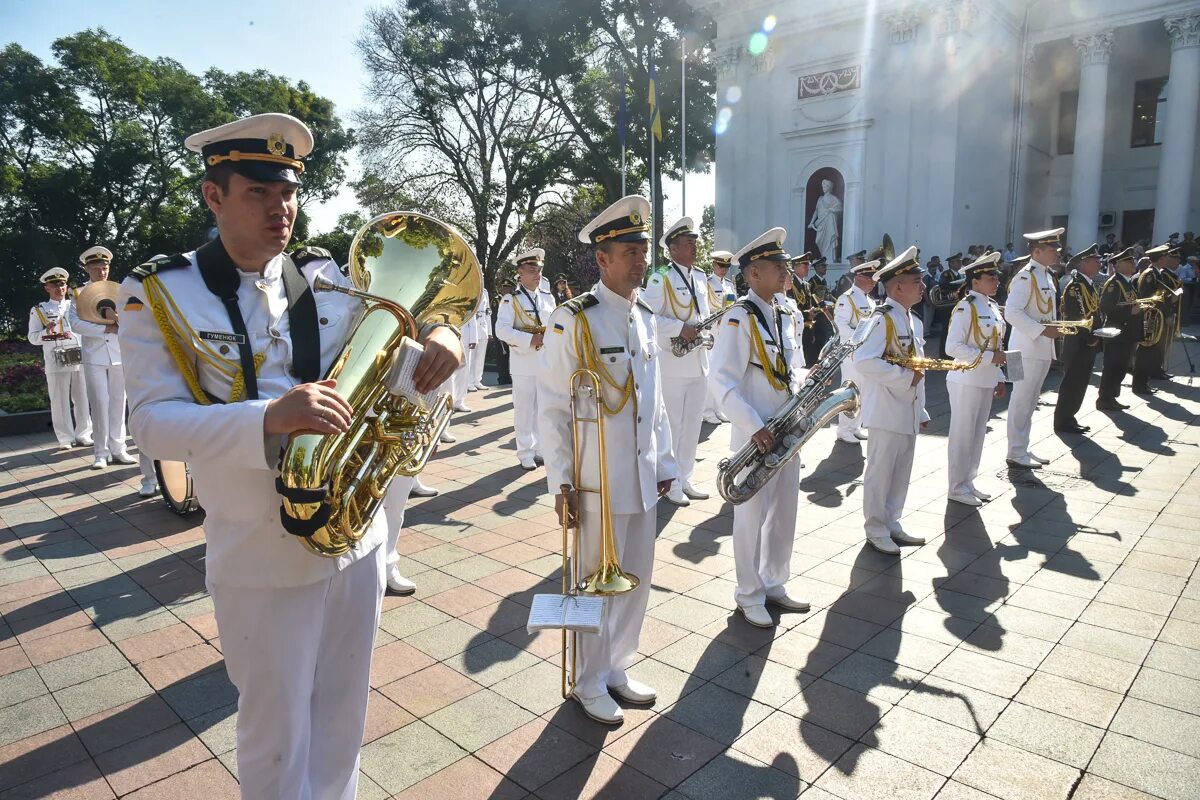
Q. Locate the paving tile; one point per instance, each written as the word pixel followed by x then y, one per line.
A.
pixel 151 758
pixel 1094 788
pixel 17 687
pixel 447 639
pixel 430 689
pixel 1090 668
pixel 80 667
pixel 395 660
pixel 798 748
pixel 864 773
pixel 1175 659
pixel 412 618
pixel 38 755
pixel 491 662
pixel 1166 689
pixel 993 675
pixel 534 753
pixel 960 705
pixel 218 729
pixel 1165 727
pixel 1122 646
pixel 466 779
pixel 1144 766
pixel 158 642
pixel 699 655
pixel 927 742
pixel 601 776
pixel 1069 698
pixel 1047 734
pixel 718 713
pixel 199 695
pixel 79 781
pixel 990 768
pixel 537 689
pixel 61 645
pixel 209 779
pixel 180 665
pixel 407 756
pixel 101 693
pixel 477 719
pixel 837 708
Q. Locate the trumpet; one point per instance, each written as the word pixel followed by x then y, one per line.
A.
pixel 1153 301
pixel 1071 327
pixel 923 364
pixel 704 337
pixel 608 578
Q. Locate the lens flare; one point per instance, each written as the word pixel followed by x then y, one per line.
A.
pixel 758 44
pixel 733 94
pixel 722 122
pixel 769 23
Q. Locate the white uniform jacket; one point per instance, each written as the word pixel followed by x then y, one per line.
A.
pixel 477 328
pixel 975 325
pixel 54 313
pixel 637 438
pixel 98 347
pixel 1032 301
pixel 678 295
pixel 721 293
pixel 852 307
pixel 234 465
pixel 521 310
pixel 890 402
pixel 738 380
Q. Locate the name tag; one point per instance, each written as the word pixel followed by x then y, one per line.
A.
pixel 219 336
pixel 604 351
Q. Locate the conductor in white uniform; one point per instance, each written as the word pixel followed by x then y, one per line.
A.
pixel 610 331
pixel 756 365
pixel 296 629
pixel 852 307
pixel 1032 303
pixel 679 298
pixel 893 403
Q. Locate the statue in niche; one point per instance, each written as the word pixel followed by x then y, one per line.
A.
pixel 824 222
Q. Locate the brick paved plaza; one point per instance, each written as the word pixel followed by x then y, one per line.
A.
pixel 1047 646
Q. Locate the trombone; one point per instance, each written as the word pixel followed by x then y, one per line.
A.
pixel 608 578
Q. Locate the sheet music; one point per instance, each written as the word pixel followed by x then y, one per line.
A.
pixel 1013 365
pixel 550 611
pixel 400 377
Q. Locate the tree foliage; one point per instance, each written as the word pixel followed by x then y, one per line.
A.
pixel 91 152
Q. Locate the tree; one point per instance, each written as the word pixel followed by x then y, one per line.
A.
pixel 556 230
pixel 338 240
pixel 458 127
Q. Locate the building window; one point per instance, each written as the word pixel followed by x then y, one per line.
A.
pixel 1068 105
pixel 1149 103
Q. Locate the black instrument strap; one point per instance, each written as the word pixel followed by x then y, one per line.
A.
pixel 691 289
pixel 532 302
pixel 302 321
pixel 221 277
pixel 764 325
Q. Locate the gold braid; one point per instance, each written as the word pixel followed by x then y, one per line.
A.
pixel 587 352
pixel 771 371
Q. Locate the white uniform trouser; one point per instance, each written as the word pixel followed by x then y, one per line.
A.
pixel 64 389
pixel 970 407
pixel 525 414
pixel 604 657
pixel 1021 405
pixel 710 404
pixel 106 398
pixel 146 466
pixel 477 357
pixel 460 381
pixel 848 426
pixel 885 480
pixel 394 503
pixel 764 529
pixel 684 401
pixel 301 660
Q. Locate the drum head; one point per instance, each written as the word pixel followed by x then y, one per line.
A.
pixel 176 485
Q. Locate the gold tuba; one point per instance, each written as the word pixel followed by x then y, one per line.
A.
pixel 409 269
pixel 884 253
pixel 608 578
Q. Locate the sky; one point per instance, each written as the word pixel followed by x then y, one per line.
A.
pixel 309 40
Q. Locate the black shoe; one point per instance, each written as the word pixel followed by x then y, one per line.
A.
pixel 1071 427
pixel 1110 405
pixel 1144 391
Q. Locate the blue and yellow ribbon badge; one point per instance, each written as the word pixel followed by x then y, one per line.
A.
pixel 558 328
pixel 133 304
pixel 734 323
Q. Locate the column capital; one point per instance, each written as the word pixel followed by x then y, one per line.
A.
pixel 1094 48
pixel 1183 30
pixel 956 16
pixel 902 24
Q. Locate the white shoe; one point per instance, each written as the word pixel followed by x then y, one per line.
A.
pixel 785 600
pixel 981 495
pixel 860 434
pixel 722 417
pixel 472 388
pixel 124 458
pixel 694 493
pixel 398 584
pixel 528 463
pixel 602 709
pixel 635 692
pixel 481 386
pixel 966 499
pixel 884 544
pixel 758 616
pixel 676 497
pixel 900 537
pixel 462 408
pixel 62 447
pixel 712 419
pixel 421 490
pixel 84 441
pixel 148 489
pixel 448 438
pixel 1026 462
pixel 1039 459
pixel 99 463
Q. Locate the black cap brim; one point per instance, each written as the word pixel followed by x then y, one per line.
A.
pixel 633 236
pixel 265 172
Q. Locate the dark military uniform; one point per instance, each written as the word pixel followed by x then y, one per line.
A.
pixel 823 329
pixel 801 295
pixel 1148 360
pixel 1080 300
pixel 1118 352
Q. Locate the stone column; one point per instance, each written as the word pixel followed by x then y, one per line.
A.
pixel 1178 152
pixel 1094 52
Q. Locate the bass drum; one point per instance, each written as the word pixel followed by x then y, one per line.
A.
pixel 175 481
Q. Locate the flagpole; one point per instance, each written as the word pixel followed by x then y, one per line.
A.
pixel 683 124
pixel 622 122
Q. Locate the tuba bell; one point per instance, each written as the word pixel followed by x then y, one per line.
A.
pixel 885 252
pixel 410 270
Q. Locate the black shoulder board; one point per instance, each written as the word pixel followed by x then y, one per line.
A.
pixel 303 255
pixel 643 305
pixel 157 265
pixel 577 304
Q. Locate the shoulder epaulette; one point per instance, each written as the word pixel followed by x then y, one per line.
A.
pixel 786 309
pixel 642 304
pixel 587 300
pixel 157 265
pixel 303 255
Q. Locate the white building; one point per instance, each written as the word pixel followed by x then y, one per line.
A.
pixel 957 122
